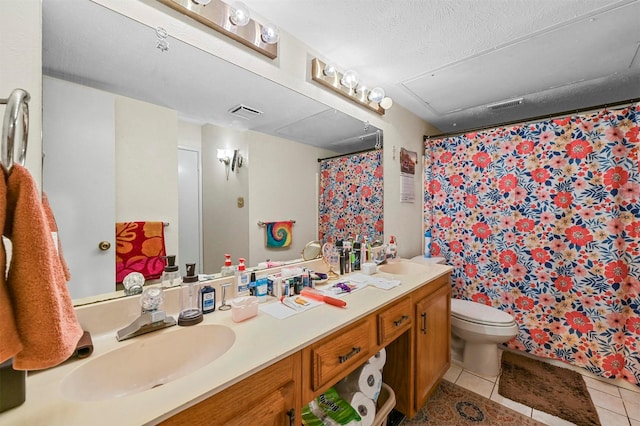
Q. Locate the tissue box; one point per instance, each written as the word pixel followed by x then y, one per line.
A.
pixel 243 308
pixel 369 268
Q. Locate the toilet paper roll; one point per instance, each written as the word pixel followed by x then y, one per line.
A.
pixel 366 379
pixel 379 359
pixel 365 407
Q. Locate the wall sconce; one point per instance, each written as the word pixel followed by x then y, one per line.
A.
pixel 349 86
pixel 233 20
pixel 231 159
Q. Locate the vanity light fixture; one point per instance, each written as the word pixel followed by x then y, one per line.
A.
pixel 232 159
pixel 349 86
pixel 233 20
pixel 225 158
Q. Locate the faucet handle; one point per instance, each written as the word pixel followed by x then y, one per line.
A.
pixel 151 299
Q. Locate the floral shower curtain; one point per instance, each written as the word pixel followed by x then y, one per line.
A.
pixel 542 221
pixel 351 197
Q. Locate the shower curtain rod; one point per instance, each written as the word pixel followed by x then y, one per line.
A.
pixel 534 119
pixel 348 154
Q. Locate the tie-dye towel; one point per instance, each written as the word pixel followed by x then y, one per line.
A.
pixel 278 234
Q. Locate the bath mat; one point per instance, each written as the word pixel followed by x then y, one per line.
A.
pixel 453 405
pixel 545 387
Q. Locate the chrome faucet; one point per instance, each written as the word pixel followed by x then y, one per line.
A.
pixel 151 317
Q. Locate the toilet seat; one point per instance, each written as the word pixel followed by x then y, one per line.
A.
pixel 479 313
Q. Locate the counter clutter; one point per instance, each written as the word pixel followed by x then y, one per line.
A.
pixel 260 342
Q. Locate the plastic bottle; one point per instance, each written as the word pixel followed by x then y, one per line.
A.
pixel 392 249
pixel 227 269
pixel 207 299
pixel 190 309
pixel 171 274
pixel 261 289
pixel 242 279
pixel 427 243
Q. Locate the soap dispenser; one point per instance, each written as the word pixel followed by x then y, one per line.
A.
pixel 171 275
pixel 392 249
pixel 227 269
pixel 190 308
pixel 242 279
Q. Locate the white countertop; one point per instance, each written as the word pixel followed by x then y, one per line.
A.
pixel 260 342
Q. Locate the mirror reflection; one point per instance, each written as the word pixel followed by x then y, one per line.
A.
pixel 136 133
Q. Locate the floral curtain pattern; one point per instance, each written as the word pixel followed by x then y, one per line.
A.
pixel 542 221
pixel 351 197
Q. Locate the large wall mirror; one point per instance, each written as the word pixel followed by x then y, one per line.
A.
pixel 132 131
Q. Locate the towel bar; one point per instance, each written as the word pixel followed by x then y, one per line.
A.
pixel 18 98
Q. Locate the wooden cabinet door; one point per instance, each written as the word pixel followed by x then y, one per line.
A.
pixel 433 342
pixel 269 397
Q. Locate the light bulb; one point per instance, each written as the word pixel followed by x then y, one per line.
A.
pixel 350 79
pixel 386 103
pixel 269 33
pixel 376 95
pixel 240 15
pixel 329 70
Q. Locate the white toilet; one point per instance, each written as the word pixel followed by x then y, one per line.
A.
pixel 477 329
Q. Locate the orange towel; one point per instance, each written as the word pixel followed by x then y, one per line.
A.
pixel 11 344
pixel 53 226
pixel 47 323
pixel 140 248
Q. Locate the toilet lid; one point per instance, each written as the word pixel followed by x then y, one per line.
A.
pixel 479 313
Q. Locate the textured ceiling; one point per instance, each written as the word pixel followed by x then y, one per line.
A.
pixel 446 60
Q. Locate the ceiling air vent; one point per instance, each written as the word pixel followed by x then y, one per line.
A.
pixel 506 104
pixel 245 112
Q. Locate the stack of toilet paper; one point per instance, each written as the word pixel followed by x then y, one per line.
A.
pixel 362 387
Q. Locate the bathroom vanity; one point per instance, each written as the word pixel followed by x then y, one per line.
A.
pixel 274 367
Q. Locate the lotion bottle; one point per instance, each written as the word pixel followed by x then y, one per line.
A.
pixel 242 279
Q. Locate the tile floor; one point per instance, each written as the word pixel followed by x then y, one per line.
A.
pixel 616 406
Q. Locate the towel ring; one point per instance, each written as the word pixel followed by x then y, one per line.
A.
pixel 18 98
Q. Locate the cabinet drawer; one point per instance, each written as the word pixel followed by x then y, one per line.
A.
pixel 394 321
pixel 332 356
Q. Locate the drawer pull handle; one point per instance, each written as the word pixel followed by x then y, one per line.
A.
pixel 354 351
pixel 424 322
pixel 292 417
pixel 401 320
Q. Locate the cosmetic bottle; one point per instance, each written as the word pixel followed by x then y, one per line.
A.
pixel 392 249
pixel 171 274
pixel 427 243
pixel 252 284
pixel 207 299
pixel 261 289
pixel 242 279
pixel 357 256
pixel 190 310
pixel 227 269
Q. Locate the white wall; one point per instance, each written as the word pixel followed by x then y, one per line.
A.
pixel 147 161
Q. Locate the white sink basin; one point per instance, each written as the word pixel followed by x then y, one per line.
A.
pixel 147 362
pixel 403 268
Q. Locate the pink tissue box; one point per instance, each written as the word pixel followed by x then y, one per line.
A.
pixel 243 308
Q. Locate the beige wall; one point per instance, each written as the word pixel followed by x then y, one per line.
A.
pixel 147 161
pixel 277 181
